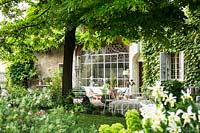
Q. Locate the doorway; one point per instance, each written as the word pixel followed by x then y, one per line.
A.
pixel 140 75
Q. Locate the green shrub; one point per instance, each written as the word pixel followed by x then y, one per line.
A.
pixel 174 87
pixel 55 87
pixel 133 123
pixel 133 120
pixel 30 112
pixel 20 74
pixel 114 128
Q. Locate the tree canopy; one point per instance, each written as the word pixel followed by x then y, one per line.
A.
pixel 49 23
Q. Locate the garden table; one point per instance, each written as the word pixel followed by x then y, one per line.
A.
pixel 123 105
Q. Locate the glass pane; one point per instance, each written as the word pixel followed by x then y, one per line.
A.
pixel 126 57
pixel 107 58
pixel 94 58
pixel 84 82
pixel 99 82
pixel 100 58
pixel 83 59
pixel 120 72
pixel 120 83
pixel 101 71
pixel 177 66
pixel 114 70
pixel 120 65
pixel 95 70
pixel 121 58
pixel 107 70
pixel 113 79
pixel 126 66
pixel 85 71
pixel 113 58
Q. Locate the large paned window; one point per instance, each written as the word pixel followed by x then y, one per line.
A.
pixel 103 66
pixel 175 66
pixel 171 66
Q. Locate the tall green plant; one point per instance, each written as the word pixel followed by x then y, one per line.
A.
pixel 55 87
pixel 21 74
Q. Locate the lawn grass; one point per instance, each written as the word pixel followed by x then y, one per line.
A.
pixel 86 120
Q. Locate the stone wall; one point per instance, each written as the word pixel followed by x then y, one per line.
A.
pixel 49 62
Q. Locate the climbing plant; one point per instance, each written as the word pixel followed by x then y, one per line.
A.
pixel 187 39
pixel 20 74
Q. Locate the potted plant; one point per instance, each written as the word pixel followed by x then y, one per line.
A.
pixel 110 90
pixel 40 80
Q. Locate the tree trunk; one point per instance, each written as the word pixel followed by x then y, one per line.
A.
pixel 69 47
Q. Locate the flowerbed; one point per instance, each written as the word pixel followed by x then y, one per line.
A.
pixel 166 115
pixel 33 111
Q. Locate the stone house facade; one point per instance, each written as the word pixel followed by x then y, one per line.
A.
pixel 114 64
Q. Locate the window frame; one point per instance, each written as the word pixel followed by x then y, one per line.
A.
pixel 166 72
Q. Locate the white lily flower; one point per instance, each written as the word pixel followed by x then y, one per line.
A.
pixel 170 99
pixel 174 128
pixel 159 93
pixel 173 119
pixel 174 116
pixel 186 95
pixel 187 116
pixel 155 114
pixel 148 111
pixel 158 84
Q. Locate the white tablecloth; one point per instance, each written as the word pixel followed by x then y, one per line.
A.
pixel 121 106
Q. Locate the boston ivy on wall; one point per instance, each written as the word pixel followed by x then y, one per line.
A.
pixel 150 65
pixel 192 65
pixel 151 70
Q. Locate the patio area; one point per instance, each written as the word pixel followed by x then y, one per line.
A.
pixel 118 102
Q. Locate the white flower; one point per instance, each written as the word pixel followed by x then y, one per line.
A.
pixel 158 84
pixel 30 91
pixel 4 93
pixel 9 105
pixel 170 99
pixel 186 95
pixel 173 119
pixel 154 114
pixel 37 101
pixel 159 117
pixel 30 112
pixel 148 111
pixel 174 116
pixel 173 128
pixel 187 116
pixel 158 92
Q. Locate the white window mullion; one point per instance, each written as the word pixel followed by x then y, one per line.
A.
pixel 163 67
pixel 181 65
pixel 117 71
pixel 104 70
pixel 177 66
pixel 168 66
